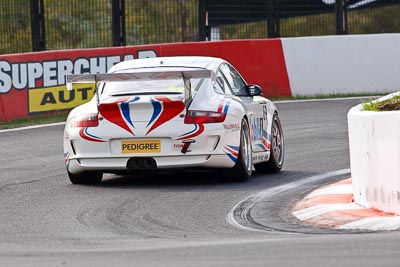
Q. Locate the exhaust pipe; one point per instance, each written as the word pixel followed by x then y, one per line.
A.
pixel 134 164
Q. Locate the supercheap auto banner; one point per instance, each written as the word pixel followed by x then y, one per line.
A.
pixel 34 83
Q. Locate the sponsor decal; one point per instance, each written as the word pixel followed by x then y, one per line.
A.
pixel 265 114
pixel 140 146
pixel 178 146
pixel 257 128
pixel 232 126
pixel 260 158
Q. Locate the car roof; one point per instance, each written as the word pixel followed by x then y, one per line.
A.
pixel 179 62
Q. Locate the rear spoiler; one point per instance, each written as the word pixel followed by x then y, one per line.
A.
pixel 142 76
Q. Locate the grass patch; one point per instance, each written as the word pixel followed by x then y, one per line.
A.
pixel 34 120
pixel 323 96
pixel 386 105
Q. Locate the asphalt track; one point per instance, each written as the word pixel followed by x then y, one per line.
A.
pixel 182 219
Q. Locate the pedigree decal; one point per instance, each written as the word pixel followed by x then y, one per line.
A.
pixel 45 80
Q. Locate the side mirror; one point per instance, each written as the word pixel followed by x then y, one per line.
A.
pixel 254 90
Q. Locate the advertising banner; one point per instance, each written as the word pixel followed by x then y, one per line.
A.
pixel 34 83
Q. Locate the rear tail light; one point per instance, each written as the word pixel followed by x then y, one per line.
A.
pixel 88 120
pixel 197 117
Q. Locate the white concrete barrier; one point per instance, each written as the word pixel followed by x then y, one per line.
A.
pixel 352 64
pixel 374 140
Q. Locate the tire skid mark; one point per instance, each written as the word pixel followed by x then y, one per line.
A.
pixel 240 215
pixel 18 184
pixel 102 218
pixel 122 217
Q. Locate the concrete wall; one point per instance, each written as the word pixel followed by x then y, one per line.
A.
pixel 374 140
pixel 353 64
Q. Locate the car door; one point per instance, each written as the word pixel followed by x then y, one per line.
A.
pixel 257 109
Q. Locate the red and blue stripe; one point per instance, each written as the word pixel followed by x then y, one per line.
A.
pixel 83 132
pixel 223 106
pixel 164 109
pixel 198 129
pixel 232 152
pixel 265 142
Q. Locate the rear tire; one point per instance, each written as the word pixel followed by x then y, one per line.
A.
pixel 86 177
pixel 275 162
pixel 244 164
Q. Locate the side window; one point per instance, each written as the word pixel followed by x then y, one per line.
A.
pixel 221 85
pixel 236 83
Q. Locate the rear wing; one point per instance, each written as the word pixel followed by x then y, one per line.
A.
pixel 142 76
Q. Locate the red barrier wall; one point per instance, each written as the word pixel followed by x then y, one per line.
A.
pixel 33 83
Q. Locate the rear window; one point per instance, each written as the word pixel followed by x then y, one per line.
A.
pixel 148 87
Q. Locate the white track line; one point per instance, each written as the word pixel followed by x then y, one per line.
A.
pixel 321 209
pixel 326 99
pixel 374 223
pixel 32 127
pixel 332 190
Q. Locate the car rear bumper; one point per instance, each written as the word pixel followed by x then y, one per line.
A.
pixel 115 164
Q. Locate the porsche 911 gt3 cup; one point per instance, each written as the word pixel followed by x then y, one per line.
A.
pixel 168 113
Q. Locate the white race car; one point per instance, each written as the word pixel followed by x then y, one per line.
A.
pixel 171 113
